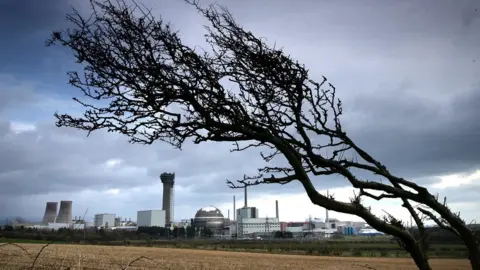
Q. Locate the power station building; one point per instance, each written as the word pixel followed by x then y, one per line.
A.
pixel 104 220
pixel 168 181
pixel 209 218
pixel 248 222
pixel 65 212
pixel 150 218
pixel 64 215
pixel 50 213
pixel 258 226
pixel 247 212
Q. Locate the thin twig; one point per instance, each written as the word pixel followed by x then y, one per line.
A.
pixel 137 259
pixel 365 266
pixel 13 244
pixel 51 242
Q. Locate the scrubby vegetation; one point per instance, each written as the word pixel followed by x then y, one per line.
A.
pixel 442 244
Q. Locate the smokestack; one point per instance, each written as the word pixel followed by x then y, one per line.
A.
pixel 65 212
pixel 168 180
pixel 234 209
pixel 276 209
pixel 326 214
pixel 245 196
pixel 228 214
pixel 50 213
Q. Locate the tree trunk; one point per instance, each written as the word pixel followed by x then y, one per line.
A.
pixel 418 255
pixel 473 253
pixel 469 237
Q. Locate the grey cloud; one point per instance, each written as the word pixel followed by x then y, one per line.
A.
pixel 403 70
pixel 13 93
pixel 416 138
pixel 23 16
pixel 466 193
pixel 471 13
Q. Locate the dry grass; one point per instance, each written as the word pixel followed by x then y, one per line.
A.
pixel 104 257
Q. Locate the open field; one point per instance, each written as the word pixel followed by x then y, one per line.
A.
pixel 357 248
pixel 118 257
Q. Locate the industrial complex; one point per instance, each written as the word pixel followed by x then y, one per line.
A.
pixel 246 222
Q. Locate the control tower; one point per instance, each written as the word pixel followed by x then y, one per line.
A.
pixel 168 180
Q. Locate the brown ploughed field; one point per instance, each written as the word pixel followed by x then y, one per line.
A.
pixel 107 257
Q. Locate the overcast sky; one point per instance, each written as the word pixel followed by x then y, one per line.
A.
pixel 407 71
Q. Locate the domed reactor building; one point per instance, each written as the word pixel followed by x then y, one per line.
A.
pixel 209 218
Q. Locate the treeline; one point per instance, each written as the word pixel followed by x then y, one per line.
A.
pixel 94 234
pixel 435 235
pixel 439 235
pixel 338 245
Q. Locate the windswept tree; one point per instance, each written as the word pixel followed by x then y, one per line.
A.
pixel 140 80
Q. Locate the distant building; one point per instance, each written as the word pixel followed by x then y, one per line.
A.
pixel 52 226
pixel 258 226
pixel 125 228
pixel 247 212
pixel 369 232
pixel 149 218
pixel 209 218
pixel 283 226
pixel 104 220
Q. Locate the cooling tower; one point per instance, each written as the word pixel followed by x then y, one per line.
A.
pixel 65 212
pixel 50 213
pixel 168 180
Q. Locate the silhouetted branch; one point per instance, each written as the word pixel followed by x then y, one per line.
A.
pixel 365 266
pixel 136 260
pixel 16 245
pixel 379 197
pixel 51 242
pixel 140 80
pixel 437 221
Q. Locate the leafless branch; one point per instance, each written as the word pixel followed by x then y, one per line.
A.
pixel 140 80
pixel 440 223
pixel 16 245
pixel 49 243
pixel 136 260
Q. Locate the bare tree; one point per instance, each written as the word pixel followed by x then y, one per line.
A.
pixel 143 82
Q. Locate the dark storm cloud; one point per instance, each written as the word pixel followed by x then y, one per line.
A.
pixel 13 93
pixel 24 26
pixel 18 18
pixel 403 68
pixel 416 138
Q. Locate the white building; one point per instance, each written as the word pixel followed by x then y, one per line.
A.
pixel 149 218
pixel 294 229
pixel 104 220
pixel 247 212
pixel 262 226
pixel 125 228
pixel 52 226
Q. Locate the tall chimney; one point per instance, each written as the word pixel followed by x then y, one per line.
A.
pixel 326 215
pixel 245 196
pixel 228 214
pixel 234 208
pixel 168 181
pixel 276 209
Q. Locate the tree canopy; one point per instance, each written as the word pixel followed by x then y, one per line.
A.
pixel 141 80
